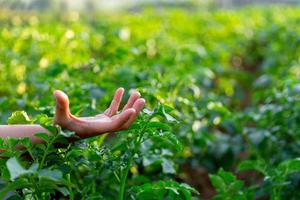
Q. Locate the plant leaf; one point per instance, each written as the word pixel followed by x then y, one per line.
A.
pixel 19 117
pixel 14 168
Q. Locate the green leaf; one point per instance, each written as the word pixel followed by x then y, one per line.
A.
pixel 54 175
pixel 217 182
pixel 189 188
pixel 17 184
pixel 19 117
pixel 63 190
pixel 162 112
pixel 44 120
pixel 43 136
pixel 34 167
pixel 235 186
pixel 168 117
pixel 150 159
pixel 67 133
pixel 26 143
pixel 12 142
pixel 52 129
pixel 171 139
pixel 289 166
pixel 41 146
pixel 228 177
pixel 15 169
pixel 168 166
pixel 257 165
pixel 147 111
pixel 159 125
pixel 164 190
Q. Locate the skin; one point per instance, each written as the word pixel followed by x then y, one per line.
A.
pixel 84 127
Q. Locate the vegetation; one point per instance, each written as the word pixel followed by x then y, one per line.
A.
pixel 223 104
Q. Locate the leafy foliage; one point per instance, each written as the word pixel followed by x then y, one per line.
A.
pixel 163 190
pixel 222 91
pixel 228 187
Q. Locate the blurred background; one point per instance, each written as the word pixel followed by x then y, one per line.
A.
pixel 229 68
pixel 121 4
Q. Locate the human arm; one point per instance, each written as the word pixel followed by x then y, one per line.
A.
pixel 22 131
pixel 84 127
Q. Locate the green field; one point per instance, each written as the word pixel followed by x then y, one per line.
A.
pixel 223 104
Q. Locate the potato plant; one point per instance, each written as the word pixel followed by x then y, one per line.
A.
pixel 222 92
pixel 75 170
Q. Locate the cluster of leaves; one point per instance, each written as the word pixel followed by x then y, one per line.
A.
pixel 276 181
pixel 232 77
pixel 53 169
pixel 228 187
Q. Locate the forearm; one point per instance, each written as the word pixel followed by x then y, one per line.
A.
pixel 22 131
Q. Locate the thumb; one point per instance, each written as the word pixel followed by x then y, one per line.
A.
pixel 62 105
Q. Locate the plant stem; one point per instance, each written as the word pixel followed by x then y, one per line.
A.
pixel 135 148
pixel 31 154
pixel 141 132
pixel 46 151
pixel 124 178
pixel 70 187
pixel 36 193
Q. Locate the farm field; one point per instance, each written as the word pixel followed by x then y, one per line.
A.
pixel 222 118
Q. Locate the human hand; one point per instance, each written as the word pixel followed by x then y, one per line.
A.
pixel 109 121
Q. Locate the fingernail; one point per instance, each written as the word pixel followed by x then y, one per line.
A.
pixel 132 110
pixel 138 93
pixel 144 100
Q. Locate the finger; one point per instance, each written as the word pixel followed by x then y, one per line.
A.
pixel 62 104
pixel 133 97
pixel 120 119
pixel 114 124
pixel 138 106
pixel 114 106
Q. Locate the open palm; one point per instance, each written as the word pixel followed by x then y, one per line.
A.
pixel 109 121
